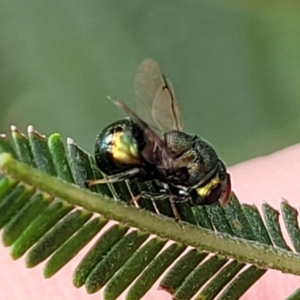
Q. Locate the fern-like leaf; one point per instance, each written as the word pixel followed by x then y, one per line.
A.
pixel 44 215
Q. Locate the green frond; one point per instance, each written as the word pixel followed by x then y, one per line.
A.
pixel 47 214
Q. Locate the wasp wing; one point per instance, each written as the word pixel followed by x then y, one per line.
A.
pixel 155 100
pixel 155 151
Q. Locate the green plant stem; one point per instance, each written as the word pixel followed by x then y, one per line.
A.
pixel 261 255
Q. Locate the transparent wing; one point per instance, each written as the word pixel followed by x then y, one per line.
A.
pixel 155 151
pixel 155 100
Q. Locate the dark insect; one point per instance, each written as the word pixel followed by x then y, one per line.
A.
pixel 179 166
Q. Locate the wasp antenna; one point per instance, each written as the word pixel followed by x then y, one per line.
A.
pixel 118 103
pixel 110 98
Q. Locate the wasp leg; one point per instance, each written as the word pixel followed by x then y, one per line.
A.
pixel 151 195
pixel 115 178
pixel 156 197
pixel 134 199
pixel 175 211
pixel 178 199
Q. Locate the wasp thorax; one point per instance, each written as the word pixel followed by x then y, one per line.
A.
pixel 118 147
pixel 196 154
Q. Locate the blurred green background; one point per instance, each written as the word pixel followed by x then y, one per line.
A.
pixel 235 67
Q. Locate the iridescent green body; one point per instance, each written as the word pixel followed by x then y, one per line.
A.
pixel 118 147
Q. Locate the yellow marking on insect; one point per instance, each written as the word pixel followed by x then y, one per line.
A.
pixel 204 190
pixel 124 151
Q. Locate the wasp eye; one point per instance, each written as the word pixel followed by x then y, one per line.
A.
pixel 222 175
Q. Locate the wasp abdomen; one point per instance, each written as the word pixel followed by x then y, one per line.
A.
pixel 118 147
